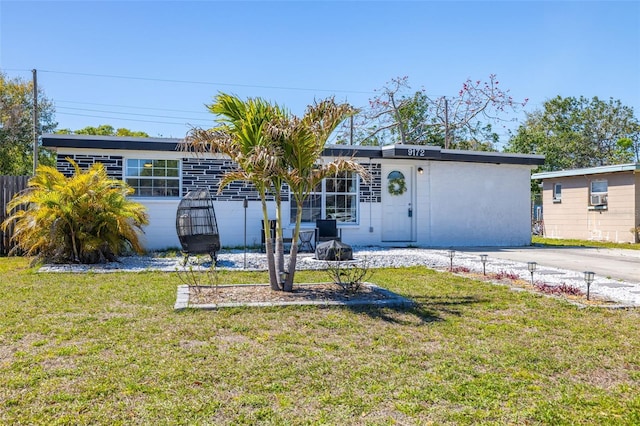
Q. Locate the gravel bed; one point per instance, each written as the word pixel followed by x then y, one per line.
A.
pixel 625 293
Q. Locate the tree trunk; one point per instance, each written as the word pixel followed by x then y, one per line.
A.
pixel 279 259
pixel 293 254
pixel 273 277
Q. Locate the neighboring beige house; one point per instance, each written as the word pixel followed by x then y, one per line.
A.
pixel 596 203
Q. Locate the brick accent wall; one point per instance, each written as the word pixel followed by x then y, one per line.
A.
pixel 371 192
pixel 113 164
pixel 207 173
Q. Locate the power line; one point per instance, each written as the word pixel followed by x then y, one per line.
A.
pixel 129 119
pixel 207 83
pixel 127 113
pixel 132 107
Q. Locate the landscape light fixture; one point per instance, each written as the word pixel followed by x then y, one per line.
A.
pixel 588 278
pixel 245 204
pixel 283 277
pixel 483 259
pixel 452 253
pixel 532 268
pixel 420 170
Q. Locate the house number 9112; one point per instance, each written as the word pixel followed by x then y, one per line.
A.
pixel 415 152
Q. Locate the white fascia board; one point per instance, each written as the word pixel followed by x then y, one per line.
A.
pixel 588 171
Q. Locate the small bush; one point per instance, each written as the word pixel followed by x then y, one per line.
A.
pixel 86 218
pixel 504 275
pixel 460 269
pixel 349 276
pixel 562 289
pixel 196 277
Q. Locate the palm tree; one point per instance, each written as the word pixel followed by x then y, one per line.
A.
pixel 272 148
pixel 242 136
pixel 302 141
pixel 86 218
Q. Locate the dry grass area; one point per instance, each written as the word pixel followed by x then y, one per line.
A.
pixel 110 349
pixel 319 292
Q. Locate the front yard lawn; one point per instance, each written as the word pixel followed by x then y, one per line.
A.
pixel 110 349
pixel 581 243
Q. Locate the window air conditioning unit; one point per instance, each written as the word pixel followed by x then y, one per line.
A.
pixel 598 199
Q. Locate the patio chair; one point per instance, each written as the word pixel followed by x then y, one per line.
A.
pixel 272 229
pixel 327 230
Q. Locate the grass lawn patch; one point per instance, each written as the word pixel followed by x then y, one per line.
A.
pixel 110 349
pixel 536 240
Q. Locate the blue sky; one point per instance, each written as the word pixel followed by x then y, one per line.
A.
pixel 180 54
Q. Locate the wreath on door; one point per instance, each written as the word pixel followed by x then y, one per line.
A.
pixel 397 184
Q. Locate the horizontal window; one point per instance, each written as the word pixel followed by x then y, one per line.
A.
pixel 599 195
pixel 153 178
pixel 599 186
pixel 335 198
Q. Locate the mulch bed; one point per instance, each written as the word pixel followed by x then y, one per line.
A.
pixel 323 292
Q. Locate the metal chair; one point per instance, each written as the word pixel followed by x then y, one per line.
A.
pixel 327 230
pixel 306 245
pixel 272 230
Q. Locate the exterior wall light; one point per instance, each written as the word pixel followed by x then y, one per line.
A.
pixel 420 170
pixel 588 278
pixel 483 259
pixel 532 268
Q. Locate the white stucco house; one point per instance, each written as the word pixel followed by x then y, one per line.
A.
pixel 419 195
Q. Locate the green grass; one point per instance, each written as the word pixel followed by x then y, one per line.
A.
pixel 109 349
pixel 582 243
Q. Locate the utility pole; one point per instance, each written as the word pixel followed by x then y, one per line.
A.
pixel 446 123
pixel 35 120
pixel 351 131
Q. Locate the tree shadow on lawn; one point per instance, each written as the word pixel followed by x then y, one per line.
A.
pixel 426 309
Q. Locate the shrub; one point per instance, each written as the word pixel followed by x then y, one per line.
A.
pixel 506 275
pixel 86 218
pixel 198 276
pixel 349 276
pixel 560 289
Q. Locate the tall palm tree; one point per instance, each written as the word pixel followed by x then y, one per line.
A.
pixel 242 136
pixel 302 141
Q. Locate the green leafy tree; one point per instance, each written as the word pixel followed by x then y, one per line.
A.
pixel 86 218
pixel 104 130
pixel 16 126
pixel 579 132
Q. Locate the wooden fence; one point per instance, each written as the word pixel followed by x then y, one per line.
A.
pixel 9 186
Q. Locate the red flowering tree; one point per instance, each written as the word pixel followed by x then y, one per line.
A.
pixel 399 115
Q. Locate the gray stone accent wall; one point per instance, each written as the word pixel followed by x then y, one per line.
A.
pixel 371 192
pixel 113 164
pixel 207 173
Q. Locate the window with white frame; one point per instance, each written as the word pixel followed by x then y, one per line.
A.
pixel 599 191
pixel 153 178
pixel 335 197
pixel 557 192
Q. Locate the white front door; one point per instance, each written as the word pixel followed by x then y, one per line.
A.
pixel 397 210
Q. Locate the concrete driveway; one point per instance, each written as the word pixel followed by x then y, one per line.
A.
pixel 616 264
